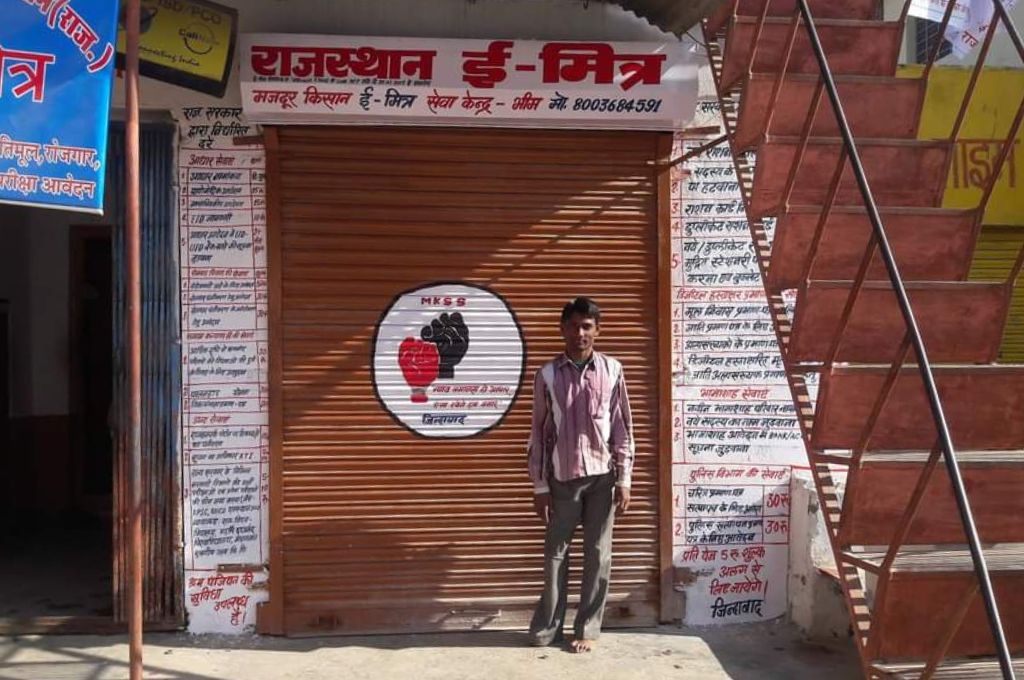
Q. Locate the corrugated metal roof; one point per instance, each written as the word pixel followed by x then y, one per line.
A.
pixel 673 16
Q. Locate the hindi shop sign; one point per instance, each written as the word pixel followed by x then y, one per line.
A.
pixel 448 360
pixel 310 79
pixel 56 67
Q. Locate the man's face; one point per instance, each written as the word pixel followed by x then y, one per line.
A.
pixel 579 333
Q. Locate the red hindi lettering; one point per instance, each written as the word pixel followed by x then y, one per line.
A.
pixel 388 64
pixel 102 60
pixel 31 65
pixel 75 27
pixel 51 10
pixel 574 62
pixel 487 68
pixel 44 5
pixel 641 68
pixel 271 60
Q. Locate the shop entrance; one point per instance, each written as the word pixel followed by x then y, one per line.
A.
pixel 379 523
pixel 56 448
pixel 63 432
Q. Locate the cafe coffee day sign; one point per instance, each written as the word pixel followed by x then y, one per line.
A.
pixel 56 66
pixel 448 359
pixel 324 79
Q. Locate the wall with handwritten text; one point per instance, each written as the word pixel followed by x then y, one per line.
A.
pixel 735 437
pixel 222 220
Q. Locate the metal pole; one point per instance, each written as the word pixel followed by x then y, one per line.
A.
pixel 131 81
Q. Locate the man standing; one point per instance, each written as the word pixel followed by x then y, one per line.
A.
pixel 581 462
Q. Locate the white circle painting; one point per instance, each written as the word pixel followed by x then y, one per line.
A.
pixel 448 359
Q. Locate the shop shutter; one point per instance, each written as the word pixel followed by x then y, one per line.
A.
pixel 376 529
pixel 163 606
pixel 993 258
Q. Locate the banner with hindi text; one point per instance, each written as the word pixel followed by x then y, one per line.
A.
pixel 56 68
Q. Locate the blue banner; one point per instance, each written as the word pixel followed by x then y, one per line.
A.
pixel 56 75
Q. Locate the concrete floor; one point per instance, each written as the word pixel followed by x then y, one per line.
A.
pixel 56 568
pixel 769 651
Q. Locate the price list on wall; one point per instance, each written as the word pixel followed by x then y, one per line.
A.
pixel 735 437
pixel 225 438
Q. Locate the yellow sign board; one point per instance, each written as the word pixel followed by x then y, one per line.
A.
pixel 186 42
pixel 993 107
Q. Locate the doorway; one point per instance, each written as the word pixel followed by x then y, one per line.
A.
pixel 55 445
pixel 63 510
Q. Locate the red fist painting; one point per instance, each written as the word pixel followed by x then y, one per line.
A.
pixel 419 362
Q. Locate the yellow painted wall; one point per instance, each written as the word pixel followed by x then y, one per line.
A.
pixel 986 125
pixel 988 120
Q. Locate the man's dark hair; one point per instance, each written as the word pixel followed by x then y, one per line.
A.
pixel 583 306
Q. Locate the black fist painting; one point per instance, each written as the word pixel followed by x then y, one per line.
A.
pixel 450 334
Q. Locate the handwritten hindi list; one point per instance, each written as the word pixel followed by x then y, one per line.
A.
pixel 222 214
pixel 735 436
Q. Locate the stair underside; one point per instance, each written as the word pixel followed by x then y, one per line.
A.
pixel 849 393
pixel 945 256
pixel 863 97
pixel 884 486
pixel 920 457
pixel 854 47
pixel 824 9
pixel 960 322
pixel 918 560
pixel 901 172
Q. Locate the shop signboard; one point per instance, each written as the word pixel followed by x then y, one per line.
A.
pixel 186 42
pixel 314 79
pixel 56 68
pixel 448 359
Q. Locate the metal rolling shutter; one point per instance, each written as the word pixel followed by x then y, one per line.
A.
pixel 383 531
pixel 993 258
pixel 161 383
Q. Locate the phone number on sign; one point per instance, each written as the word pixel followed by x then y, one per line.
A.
pixel 616 105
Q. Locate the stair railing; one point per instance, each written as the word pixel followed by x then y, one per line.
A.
pixel 879 242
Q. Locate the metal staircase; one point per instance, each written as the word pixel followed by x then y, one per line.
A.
pixel 928 536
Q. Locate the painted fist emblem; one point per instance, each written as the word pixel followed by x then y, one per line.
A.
pixel 450 335
pixel 419 362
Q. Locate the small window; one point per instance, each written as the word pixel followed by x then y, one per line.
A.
pixel 926 32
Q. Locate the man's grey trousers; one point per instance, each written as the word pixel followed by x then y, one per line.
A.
pixel 590 499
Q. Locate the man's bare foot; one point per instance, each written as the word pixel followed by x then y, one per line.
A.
pixel 582 645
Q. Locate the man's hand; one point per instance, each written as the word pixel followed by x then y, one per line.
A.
pixel 542 506
pixel 621 499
